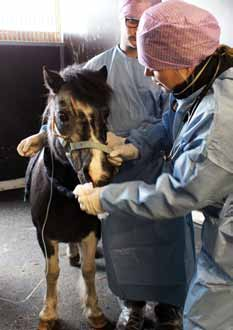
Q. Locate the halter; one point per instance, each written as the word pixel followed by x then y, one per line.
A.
pixel 74 146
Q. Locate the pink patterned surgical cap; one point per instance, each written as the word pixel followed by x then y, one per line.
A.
pixel 175 34
pixel 135 8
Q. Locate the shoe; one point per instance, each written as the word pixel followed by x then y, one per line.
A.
pixel 136 320
pixel 123 317
pixel 168 317
pixel 130 319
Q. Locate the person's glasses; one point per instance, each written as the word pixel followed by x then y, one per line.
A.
pixel 131 22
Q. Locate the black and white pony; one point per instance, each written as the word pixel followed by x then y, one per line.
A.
pixel 76 152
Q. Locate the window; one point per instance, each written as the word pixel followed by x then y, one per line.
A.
pixel 46 20
pixel 30 21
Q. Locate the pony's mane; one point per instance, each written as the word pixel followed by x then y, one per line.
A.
pixel 87 86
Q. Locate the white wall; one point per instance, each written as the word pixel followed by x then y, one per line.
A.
pixel 223 11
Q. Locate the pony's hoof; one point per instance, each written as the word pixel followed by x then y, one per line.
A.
pixel 75 261
pixel 46 325
pixel 98 322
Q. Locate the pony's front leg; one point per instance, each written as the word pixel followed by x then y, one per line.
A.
pixel 48 314
pixel 92 310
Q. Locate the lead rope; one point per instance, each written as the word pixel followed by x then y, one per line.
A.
pixel 44 245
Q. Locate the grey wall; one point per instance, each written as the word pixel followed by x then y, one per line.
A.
pixel 223 11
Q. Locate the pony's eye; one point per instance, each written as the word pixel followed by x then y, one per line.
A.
pixel 63 116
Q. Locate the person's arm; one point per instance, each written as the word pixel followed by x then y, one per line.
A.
pixel 153 138
pixel 144 142
pixel 158 105
pixel 32 144
pixel 29 146
pixel 193 185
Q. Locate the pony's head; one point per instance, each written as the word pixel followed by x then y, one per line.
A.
pixel 77 113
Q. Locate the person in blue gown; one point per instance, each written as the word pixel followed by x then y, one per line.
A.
pixel 178 43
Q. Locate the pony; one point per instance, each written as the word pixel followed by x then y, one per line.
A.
pixel 75 152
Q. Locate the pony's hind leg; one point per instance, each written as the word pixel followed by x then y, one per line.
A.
pixel 92 310
pixel 72 251
pixel 48 314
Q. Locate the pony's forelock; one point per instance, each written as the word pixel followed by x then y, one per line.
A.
pixel 87 86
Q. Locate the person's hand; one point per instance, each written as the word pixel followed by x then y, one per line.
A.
pixel 114 140
pixel 88 198
pixel 31 145
pixel 123 153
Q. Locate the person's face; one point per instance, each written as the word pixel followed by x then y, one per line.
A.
pixel 128 30
pixel 169 78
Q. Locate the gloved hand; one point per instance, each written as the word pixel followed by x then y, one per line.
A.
pixel 114 140
pixel 122 153
pixel 89 198
pixel 31 145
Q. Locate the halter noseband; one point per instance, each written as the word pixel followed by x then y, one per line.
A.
pixel 74 146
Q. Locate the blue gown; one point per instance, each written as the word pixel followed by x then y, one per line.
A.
pixel 201 178
pixel 144 260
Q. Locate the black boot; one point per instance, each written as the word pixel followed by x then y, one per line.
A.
pixel 132 316
pixel 168 317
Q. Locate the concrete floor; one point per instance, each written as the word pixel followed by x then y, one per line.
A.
pixel 22 268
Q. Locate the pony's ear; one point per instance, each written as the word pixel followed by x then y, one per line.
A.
pixel 103 73
pixel 52 79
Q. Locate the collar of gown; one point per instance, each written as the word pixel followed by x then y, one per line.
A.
pixel 123 54
pixel 205 77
